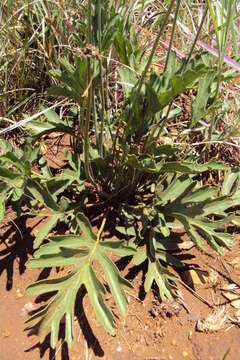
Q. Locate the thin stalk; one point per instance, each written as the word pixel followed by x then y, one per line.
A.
pixel 150 137
pixel 172 34
pixel 89 22
pixel 222 44
pixel 114 148
pixel 102 95
pixel 87 166
pixel 86 130
pixel 184 68
pixel 102 109
pixel 95 112
pixel 196 39
pixel 147 67
pixel 150 58
pixel 89 102
pixel 95 118
pixel 89 259
pixel 234 37
pixel 107 102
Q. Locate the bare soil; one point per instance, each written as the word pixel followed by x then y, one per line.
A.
pixel 152 330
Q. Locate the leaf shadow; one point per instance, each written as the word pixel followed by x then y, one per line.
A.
pixel 133 272
pixel 45 346
pixel 18 242
pixel 92 341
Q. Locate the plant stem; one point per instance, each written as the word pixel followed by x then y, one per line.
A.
pixel 144 73
pixel 102 109
pixel 172 34
pixel 87 166
pixel 222 43
pixel 150 58
pixel 196 39
pixel 107 102
pixel 184 67
pixel 95 118
pixel 150 137
pixel 89 22
pixel 97 239
pixel 87 122
pixel 99 20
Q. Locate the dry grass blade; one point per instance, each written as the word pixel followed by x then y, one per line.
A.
pixel 27 120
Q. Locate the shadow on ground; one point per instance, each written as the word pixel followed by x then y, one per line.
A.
pixel 16 241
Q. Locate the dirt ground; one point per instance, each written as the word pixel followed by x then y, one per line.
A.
pixel 152 330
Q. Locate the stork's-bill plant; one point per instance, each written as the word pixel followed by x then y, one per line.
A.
pixel 118 167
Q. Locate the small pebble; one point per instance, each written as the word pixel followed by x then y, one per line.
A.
pixel 6 333
pixel 173 342
pixel 184 354
pixel 119 348
pixel 19 294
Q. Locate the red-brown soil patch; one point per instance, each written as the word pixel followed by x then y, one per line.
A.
pixel 151 331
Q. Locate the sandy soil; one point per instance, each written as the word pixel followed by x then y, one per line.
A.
pixel 152 330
